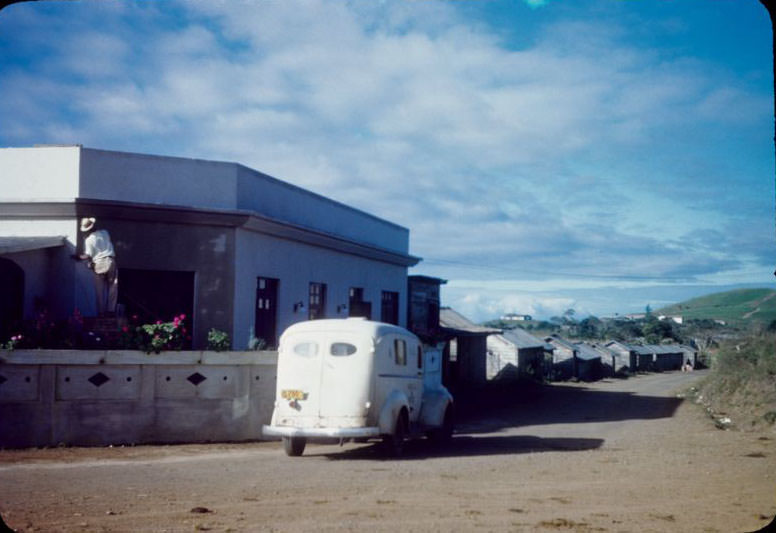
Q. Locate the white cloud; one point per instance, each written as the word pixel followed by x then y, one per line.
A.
pixel 522 160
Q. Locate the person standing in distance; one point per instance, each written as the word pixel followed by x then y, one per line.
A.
pixel 98 249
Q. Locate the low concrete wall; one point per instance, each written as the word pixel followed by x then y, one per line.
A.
pixel 95 398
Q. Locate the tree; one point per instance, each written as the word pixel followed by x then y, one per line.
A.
pixel 656 330
pixel 590 328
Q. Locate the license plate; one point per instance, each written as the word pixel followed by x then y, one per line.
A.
pixel 293 394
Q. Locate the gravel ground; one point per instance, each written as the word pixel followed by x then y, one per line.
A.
pixel 616 455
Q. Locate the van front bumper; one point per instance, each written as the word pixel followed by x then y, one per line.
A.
pixel 337 433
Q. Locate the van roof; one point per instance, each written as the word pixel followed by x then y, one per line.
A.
pixel 353 324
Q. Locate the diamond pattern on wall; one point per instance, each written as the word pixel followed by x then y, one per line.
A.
pixel 196 378
pixel 99 379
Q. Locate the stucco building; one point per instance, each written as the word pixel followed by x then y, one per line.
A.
pixel 230 247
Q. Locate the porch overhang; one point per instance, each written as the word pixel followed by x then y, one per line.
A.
pixel 15 245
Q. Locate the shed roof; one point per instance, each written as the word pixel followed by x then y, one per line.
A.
pixel 558 340
pixel 647 349
pixel 587 352
pixel 522 339
pixel 453 322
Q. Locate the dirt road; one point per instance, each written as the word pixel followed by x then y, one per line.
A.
pixel 611 456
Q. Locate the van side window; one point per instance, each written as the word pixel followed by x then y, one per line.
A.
pixel 342 348
pixel 306 349
pixel 420 357
pixel 400 351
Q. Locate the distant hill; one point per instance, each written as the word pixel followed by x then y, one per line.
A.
pixel 736 307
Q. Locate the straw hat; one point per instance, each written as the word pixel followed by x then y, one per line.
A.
pixel 87 223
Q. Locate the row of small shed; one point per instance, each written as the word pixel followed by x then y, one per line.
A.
pixel 514 353
pixel 474 355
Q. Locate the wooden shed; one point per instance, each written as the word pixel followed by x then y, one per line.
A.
pixel 514 354
pixel 465 353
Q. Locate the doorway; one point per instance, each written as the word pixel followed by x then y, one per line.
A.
pixel 265 326
pixel 11 298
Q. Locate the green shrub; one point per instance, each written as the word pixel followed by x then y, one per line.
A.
pixel 159 336
pixel 218 340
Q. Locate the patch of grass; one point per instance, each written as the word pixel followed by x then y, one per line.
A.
pixel 735 307
pixel 742 383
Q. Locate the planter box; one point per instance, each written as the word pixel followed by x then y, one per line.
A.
pixel 50 397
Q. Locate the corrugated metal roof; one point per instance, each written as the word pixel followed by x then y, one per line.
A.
pixel 586 352
pixel 648 349
pixel 557 339
pixel 15 245
pixel 522 339
pixel 452 320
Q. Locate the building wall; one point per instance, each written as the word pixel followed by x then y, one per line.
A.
pixel 46 271
pixel 268 196
pixel 212 184
pixel 69 285
pixel 501 353
pixel 296 265
pixel 167 213
pixel 561 353
pixel 98 398
pixel 63 173
pixel 208 250
pixel 669 361
pixel 108 175
pixel 28 175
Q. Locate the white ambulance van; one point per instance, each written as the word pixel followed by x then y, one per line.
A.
pixel 357 379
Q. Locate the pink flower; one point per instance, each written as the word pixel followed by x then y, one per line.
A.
pixel 124 329
pixel 158 322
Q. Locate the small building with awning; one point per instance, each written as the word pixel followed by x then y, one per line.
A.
pixel 465 352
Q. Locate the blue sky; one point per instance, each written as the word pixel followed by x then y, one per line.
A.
pixel 600 155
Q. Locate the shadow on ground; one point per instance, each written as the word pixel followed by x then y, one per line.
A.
pixel 481 416
pixel 538 404
pixel 465 446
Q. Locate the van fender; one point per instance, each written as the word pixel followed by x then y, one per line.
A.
pixel 435 402
pixel 394 403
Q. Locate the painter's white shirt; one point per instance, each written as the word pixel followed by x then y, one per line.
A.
pixel 98 246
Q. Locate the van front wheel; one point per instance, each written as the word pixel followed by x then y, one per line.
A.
pixel 294 446
pixel 444 433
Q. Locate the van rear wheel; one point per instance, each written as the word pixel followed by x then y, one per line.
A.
pixel 294 446
pixel 393 444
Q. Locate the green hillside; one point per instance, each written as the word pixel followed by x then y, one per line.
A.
pixel 736 307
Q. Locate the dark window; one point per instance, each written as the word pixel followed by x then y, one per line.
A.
pixel 420 357
pixel 356 304
pixel 389 308
pixel 342 348
pixel 400 352
pixel 306 349
pixel 317 303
